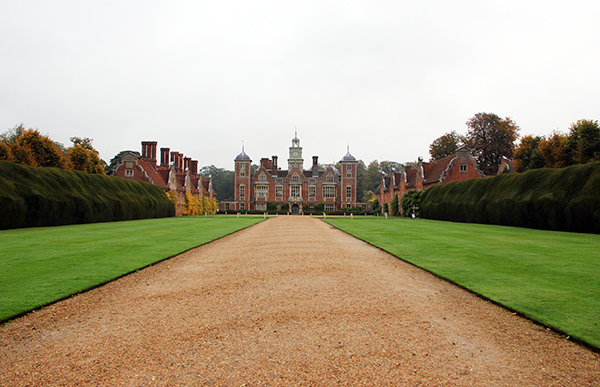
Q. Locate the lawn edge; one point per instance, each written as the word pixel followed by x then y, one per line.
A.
pixel 37 308
pixel 557 331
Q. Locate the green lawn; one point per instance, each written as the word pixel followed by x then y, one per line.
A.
pixel 41 265
pixel 551 277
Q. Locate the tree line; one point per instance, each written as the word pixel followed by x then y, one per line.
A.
pixel 30 147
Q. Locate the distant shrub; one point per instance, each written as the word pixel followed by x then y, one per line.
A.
pixel 35 197
pixel 564 199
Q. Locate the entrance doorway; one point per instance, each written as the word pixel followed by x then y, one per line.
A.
pixel 295 209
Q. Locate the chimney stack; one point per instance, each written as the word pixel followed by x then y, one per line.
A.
pixel 315 161
pixel 175 159
pixel 274 163
pixel 186 163
pixel 194 167
pixel 149 151
pixel 164 157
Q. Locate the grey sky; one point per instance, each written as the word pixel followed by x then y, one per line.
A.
pixel 387 77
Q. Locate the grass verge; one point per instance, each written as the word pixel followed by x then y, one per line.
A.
pixel 550 277
pixel 39 266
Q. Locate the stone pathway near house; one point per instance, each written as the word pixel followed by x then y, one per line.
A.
pixel 290 301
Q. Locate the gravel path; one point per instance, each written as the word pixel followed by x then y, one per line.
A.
pixel 290 301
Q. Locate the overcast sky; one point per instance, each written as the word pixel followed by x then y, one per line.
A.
pixel 385 77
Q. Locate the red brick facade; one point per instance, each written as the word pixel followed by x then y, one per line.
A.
pixel 175 173
pixel 459 166
pixel 297 187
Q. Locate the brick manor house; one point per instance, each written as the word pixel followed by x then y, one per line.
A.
pixel 175 174
pixel 296 186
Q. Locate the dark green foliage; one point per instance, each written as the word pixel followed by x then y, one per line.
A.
pixel 411 202
pixel 35 197
pixel 394 206
pixel 222 181
pixel 376 207
pixel 563 199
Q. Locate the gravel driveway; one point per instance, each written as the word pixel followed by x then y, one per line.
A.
pixel 290 301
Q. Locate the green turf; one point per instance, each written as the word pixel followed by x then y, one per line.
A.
pixel 551 277
pixel 41 265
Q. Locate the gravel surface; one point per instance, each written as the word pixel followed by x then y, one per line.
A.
pixel 290 301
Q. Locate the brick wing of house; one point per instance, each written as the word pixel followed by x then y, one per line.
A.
pixel 175 174
pixel 459 166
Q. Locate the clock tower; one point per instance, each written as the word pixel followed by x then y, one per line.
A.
pixel 295 160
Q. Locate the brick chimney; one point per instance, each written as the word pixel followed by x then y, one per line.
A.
pixel 186 163
pixel 180 161
pixel 194 167
pixel 149 151
pixel 164 157
pixel 175 159
pixel 315 161
pixel 264 163
pixel 274 163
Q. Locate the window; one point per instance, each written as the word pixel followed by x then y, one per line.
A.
pixel 329 207
pixel 242 206
pixel 242 169
pixel 329 191
pixel 312 181
pixel 262 177
pixel 261 206
pixel 348 167
pixel 295 179
pixel 226 206
pixel 278 191
pixel 242 191
pixel 129 173
pixel 311 206
pixel 463 167
pixel 312 191
pixel 349 174
pixel 279 180
pixel 329 178
pixel 261 191
pixel 295 191
pixel 348 192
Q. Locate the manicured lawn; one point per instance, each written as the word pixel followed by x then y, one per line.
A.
pixel 42 265
pixel 550 277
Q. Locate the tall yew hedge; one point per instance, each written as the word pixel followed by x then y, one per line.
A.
pixel 565 199
pixel 34 197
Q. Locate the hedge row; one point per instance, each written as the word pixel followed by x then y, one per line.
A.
pixel 566 199
pixel 34 197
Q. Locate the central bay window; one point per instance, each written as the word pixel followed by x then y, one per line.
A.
pixel 295 191
pixel 312 191
pixel 261 191
pixel 278 191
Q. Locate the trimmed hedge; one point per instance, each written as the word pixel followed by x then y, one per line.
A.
pixel 36 197
pixel 566 199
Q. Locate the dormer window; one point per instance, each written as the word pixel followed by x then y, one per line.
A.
pixel 329 178
pixel 295 178
pixel 262 177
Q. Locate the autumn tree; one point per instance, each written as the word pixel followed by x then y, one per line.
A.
pixel 444 146
pixel 527 155
pixel 30 147
pixel 584 141
pixel 83 157
pixel 491 138
pixel 554 151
